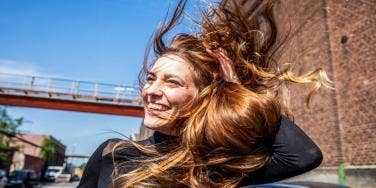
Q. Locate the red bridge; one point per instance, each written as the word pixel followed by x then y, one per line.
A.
pixel 72 95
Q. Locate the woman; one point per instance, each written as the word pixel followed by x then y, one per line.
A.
pixel 212 98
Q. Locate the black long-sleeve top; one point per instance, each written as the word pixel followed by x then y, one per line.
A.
pixel 292 152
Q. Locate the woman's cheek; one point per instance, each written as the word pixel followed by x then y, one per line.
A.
pixel 143 91
pixel 179 98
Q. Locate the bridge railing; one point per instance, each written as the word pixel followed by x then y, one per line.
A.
pixel 68 89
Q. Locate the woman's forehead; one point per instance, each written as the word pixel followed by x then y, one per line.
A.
pixel 172 64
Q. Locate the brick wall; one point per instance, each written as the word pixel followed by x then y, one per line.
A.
pixel 57 159
pixel 338 36
pixel 34 163
pixel 352 28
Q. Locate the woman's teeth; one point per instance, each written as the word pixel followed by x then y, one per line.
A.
pixel 157 107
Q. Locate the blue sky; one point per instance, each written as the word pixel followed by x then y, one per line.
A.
pixel 96 40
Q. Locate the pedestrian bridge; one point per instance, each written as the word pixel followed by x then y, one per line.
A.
pixel 71 95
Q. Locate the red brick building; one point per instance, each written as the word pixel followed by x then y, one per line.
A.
pixel 28 156
pixel 339 36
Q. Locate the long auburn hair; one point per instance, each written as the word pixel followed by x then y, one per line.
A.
pixel 221 133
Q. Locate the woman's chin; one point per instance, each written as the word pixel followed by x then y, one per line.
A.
pixel 155 124
pixel 159 125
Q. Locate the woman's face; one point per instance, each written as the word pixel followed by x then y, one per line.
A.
pixel 169 87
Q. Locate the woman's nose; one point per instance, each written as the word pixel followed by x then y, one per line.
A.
pixel 154 90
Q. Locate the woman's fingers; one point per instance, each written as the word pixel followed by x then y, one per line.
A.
pixel 227 65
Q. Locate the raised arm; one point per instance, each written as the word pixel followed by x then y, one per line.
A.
pixel 292 153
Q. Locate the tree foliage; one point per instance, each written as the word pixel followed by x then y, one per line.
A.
pixel 8 126
pixel 47 150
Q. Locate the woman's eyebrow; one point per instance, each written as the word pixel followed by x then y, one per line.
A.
pixel 150 73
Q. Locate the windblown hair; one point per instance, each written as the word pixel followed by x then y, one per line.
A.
pixel 219 142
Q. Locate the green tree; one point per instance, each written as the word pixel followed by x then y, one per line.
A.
pixel 47 150
pixel 8 128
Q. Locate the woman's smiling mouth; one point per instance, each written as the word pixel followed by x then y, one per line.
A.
pixel 156 107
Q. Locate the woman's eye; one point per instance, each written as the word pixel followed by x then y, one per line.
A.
pixel 174 82
pixel 149 79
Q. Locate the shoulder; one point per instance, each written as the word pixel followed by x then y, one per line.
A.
pixel 119 150
pixel 99 167
pixel 102 150
pixel 124 154
pixel 108 146
pixel 97 158
pixel 96 164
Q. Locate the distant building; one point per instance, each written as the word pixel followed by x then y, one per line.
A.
pixel 28 156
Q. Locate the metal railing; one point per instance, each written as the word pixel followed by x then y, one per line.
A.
pixel 68 89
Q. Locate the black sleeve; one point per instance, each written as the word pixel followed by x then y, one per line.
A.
pixel 92 169
pixel 292 153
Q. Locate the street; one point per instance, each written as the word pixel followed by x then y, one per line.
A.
pixel 61 185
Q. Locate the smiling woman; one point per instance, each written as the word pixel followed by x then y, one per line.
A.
pixel 212 99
